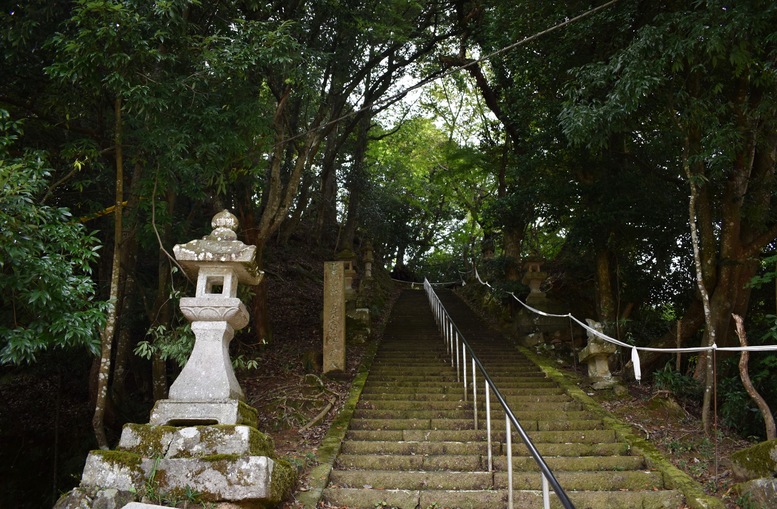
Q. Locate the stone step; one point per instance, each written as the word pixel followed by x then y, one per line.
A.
pixel 548 449
pixel 464 411
pixel 477 462
pixel 469 480
pixel 560 402
pixel 454 385
pixel 538 437
pixel 362 498
pixel 465 424
pixel 408 393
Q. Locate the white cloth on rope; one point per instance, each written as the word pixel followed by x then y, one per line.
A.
pixel 635 349
pixel 635 363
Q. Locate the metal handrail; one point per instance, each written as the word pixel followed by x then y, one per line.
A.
pixel 458 346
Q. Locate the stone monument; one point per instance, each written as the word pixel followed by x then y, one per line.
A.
pixel 202 440
pixel 335 292
pixel 597 355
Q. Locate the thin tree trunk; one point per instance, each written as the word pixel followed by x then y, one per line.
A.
pixel 129 258
pixel 106 339
pixel 766 413
pixel 707 402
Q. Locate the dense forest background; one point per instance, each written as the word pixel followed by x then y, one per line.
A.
pixel 632 145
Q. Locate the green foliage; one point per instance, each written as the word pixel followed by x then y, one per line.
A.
pixel 170 344
pixel 679 384
pixel 46 293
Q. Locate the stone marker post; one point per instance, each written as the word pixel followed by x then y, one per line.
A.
pixel 334 316
pixel 368 258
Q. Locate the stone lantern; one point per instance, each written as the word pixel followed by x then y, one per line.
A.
pixel 207 391
pixel 533 278
pixel 597 356
pixel 180 450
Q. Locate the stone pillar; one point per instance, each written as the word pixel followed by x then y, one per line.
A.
pixel 368 259
pixel 334 316
pixel 597 355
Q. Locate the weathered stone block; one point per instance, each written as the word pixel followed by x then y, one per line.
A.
pixel 120 470
pixel 181 413
pixel 233 478
pixel 759 492
pixel 145 440
pixel 194 441
pixel 219 440
pixel 754 462
pixel 112 498
pixel 74 499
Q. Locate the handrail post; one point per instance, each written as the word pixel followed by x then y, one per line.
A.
pixel 464 368
pixel 545 492
pixel 451 341
pixel 488 425
pixel 509 433
pixel 458 377
pixel 474 393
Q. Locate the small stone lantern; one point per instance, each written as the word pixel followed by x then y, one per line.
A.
pixel 597 355
pixel 533 278
pixel 207 391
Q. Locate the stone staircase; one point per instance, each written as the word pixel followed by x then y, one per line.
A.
pixel 412 442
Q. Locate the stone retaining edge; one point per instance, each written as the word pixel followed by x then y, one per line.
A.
pixel 674 478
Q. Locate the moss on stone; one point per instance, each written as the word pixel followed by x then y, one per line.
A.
pixel 756 461
pixel 122 458
pixel 259 444
pixel 284 477
pixel 153 440
pixel 248 414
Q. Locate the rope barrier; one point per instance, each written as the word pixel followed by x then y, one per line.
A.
pixel 635 349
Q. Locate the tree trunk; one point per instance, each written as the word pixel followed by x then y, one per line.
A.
pixel 129 257
pixel 106 338
pixel 162 313
pixel 766 413
pixel 356 185
pixel 294 221
pixel 327 204
pixel 604 289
